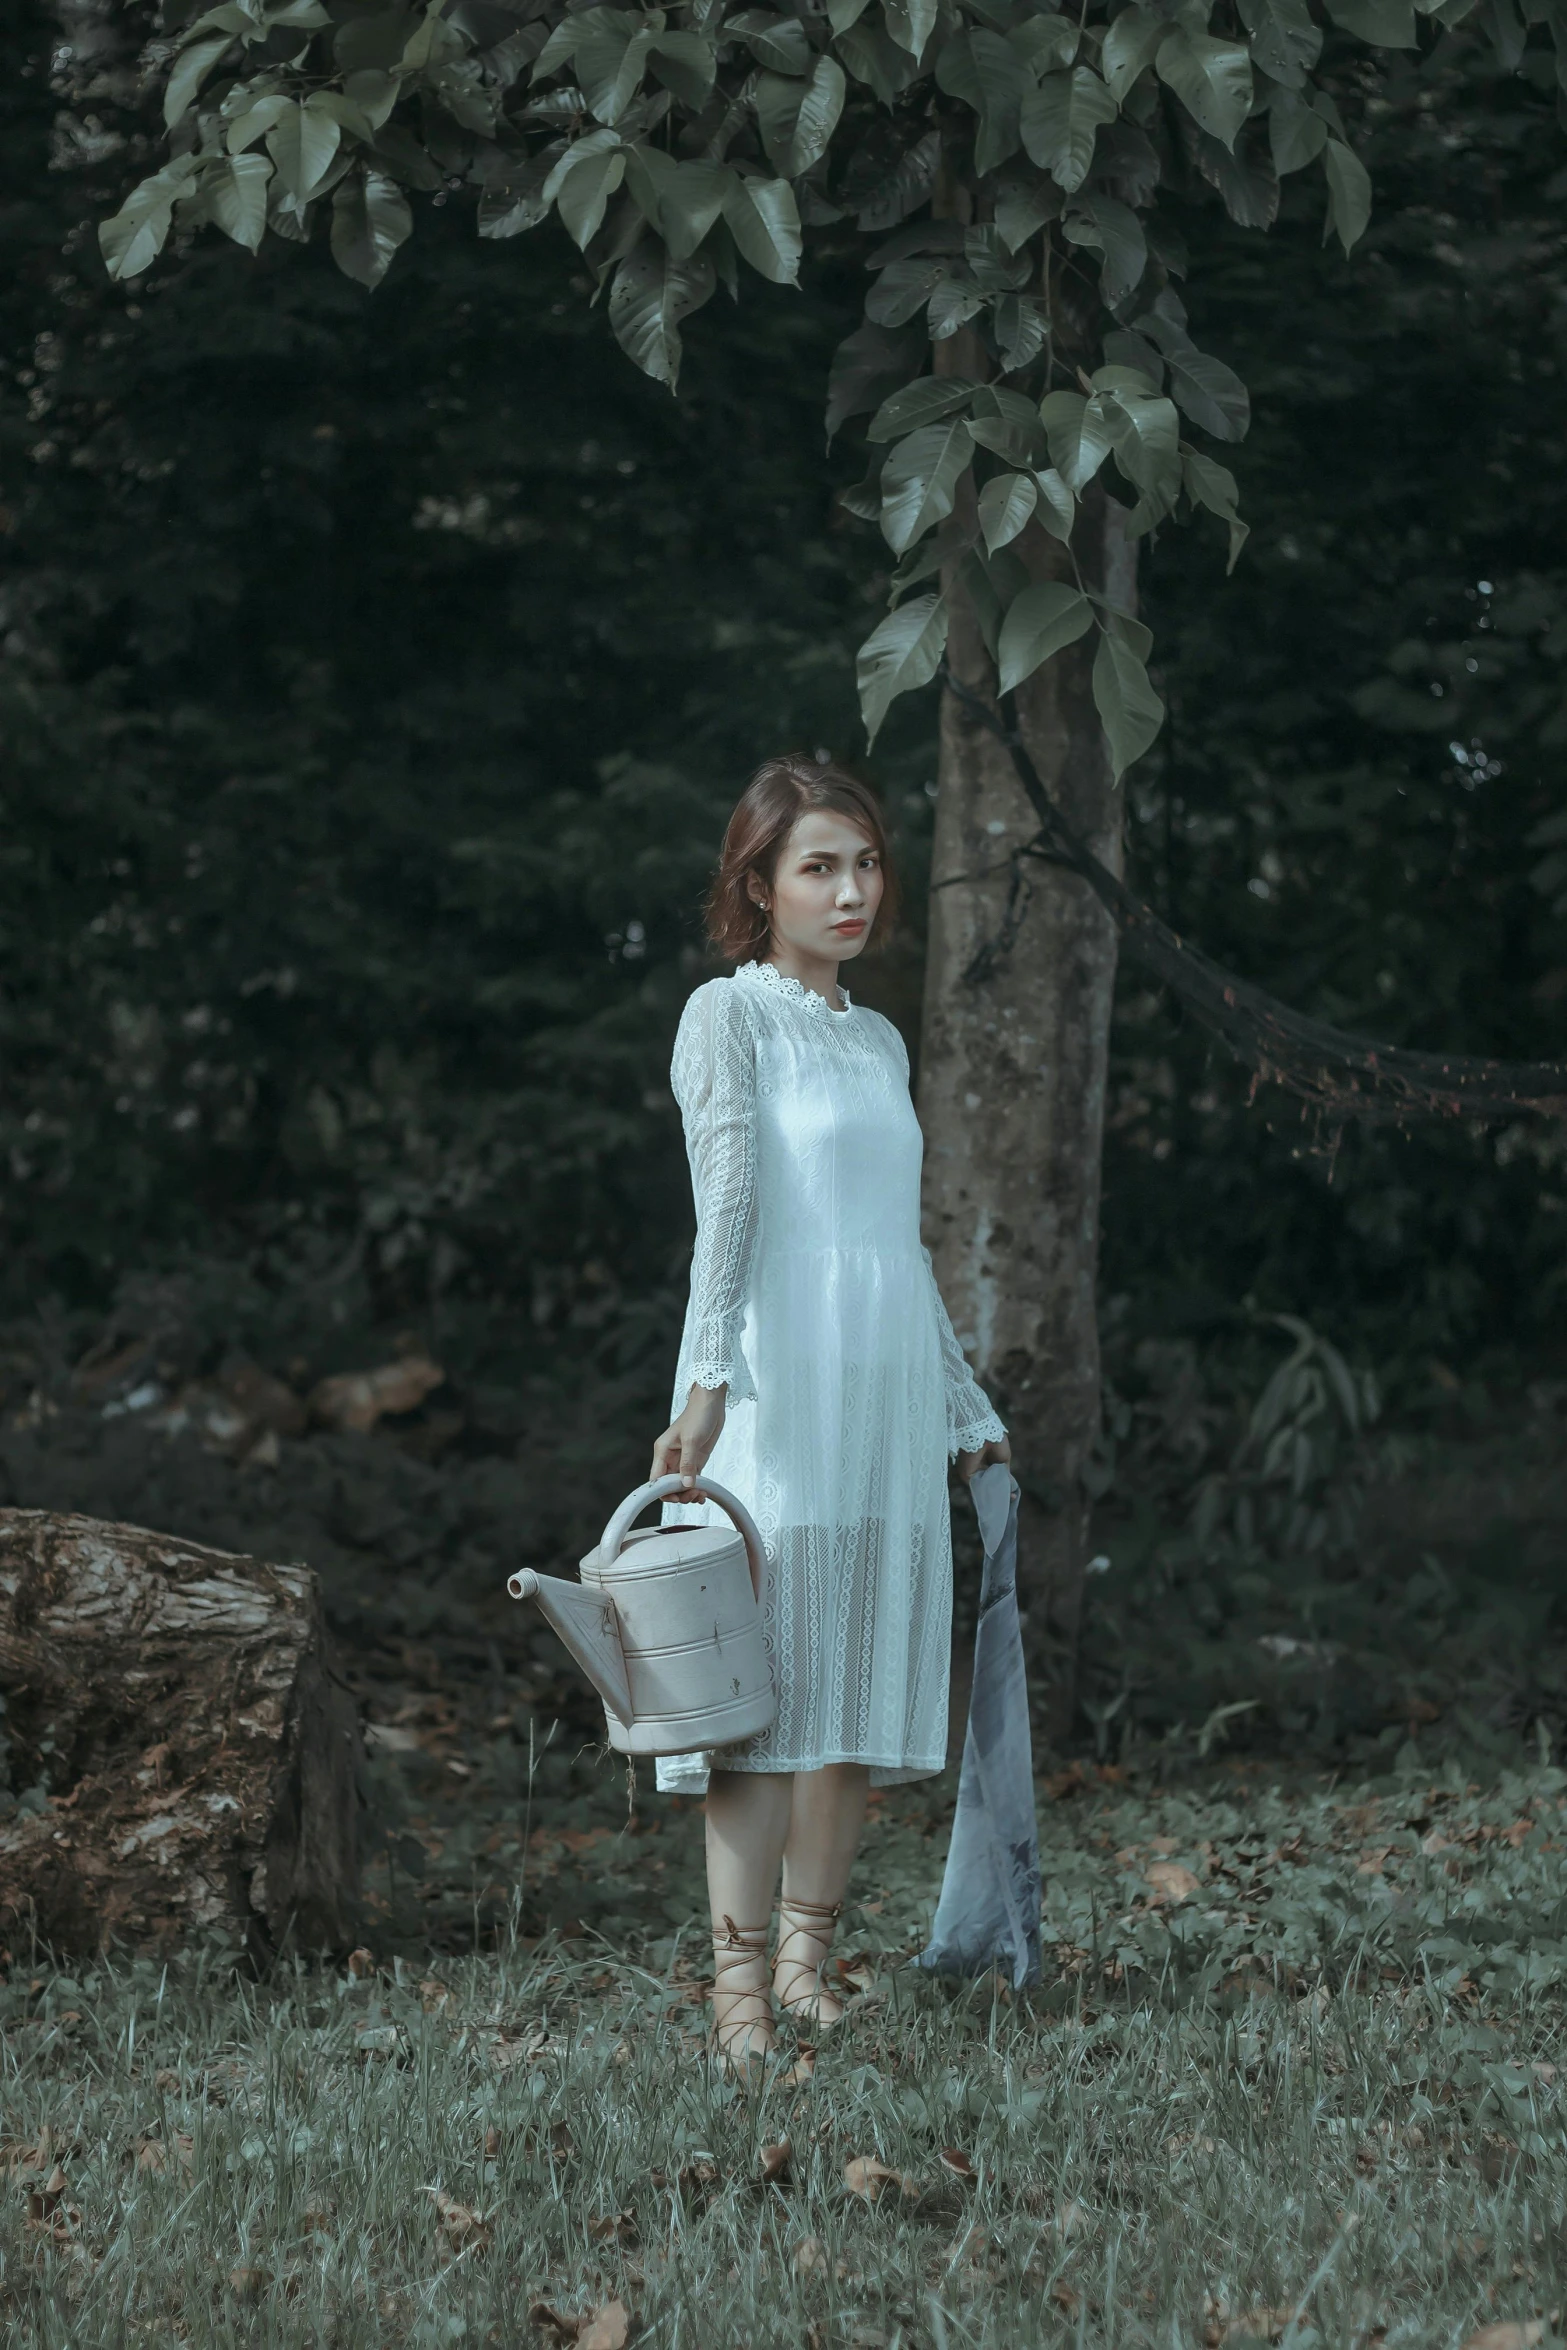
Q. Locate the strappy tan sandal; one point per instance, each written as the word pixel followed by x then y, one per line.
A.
pixel 797 1980
pixel 741 2038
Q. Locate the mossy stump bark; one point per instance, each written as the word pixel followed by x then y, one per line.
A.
pixel 182 1756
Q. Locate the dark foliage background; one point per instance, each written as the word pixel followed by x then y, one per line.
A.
pixel 375 673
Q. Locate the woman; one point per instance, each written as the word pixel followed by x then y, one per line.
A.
pixel 819 1378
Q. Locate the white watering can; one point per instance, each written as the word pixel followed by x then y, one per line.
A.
pixel 667 1625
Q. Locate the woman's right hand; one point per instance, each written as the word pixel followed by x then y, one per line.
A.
pixel 684 1447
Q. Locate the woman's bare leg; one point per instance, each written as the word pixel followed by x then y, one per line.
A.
pixel 748 1818
pixel 826 1818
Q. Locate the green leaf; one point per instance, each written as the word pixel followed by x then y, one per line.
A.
pixel 558 50
pixel 191 69
pixel 1296 135
pixel 611 57
pixel 132 238
pixel 1284 40
pixel 1006 506
pixel 841 14
pixel 582 182
pixel 1210 393
pixel 1129 45
pixel 886 181
pixel 925 401
pixel 1349 194
pixel 1078 435
pixel 1023 204
pixel 1385 24
pixel 817 117
pixel 651 296
pixel 1116 232
pixel 873 57
pixel 235 196
pixel 901 653
pixel 1020 324
pixel 1041 620
pixel 1046 40
pixel 797 119
pixel 919 480
pixel 1007 423
pixel 1244 176
pixel 1003 82
pixel 1145 431
pixel 764 221
pixel 1129 709
pixel 1211 78
pixel 778 42
pixel 370 219
pixel 904 287
pixel 953 302
pixel 681 200
pixel 867 367
pixel 1060 121
pixel 1057 508
pixel 911 23
pixel 687 65
pixel 514 199
pixel 302 143
pixel 1213 485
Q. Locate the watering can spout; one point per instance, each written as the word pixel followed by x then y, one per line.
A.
pixel 587 1625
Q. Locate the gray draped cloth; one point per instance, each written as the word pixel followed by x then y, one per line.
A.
pixel 988 1914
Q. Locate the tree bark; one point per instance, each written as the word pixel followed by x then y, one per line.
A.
pixel 1020 976
pixel 182 1749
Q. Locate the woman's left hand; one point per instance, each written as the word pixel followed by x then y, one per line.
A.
pixel 970 1463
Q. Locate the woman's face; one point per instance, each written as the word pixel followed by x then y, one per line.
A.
pixel 826 888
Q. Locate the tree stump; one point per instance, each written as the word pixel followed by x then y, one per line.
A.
pixel 181 1753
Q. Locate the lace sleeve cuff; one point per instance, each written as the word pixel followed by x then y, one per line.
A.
pixel 984 1429
pixel 716 1359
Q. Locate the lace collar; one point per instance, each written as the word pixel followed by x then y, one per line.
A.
pixel 769 975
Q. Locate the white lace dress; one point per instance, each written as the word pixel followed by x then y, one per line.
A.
pixel 813 1302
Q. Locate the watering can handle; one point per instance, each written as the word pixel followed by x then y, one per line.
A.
pixel 665 1489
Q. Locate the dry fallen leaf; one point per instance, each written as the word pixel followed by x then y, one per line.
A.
pixel 153 2155
pixel 47 2205
pixel 492 2143
pixel 1255 2325
pixel 864 2175
pixel 248 2284
pixel 802 2071
pixel 1510 2334
pixel 1065 2297
pixel 464 2230
pixel 434 1995
pixel 1170 1881
pixel 355 1400
pixel 1070 2217
pixel 809 2255
pixel 614 2226
pixel 955 2160
pixel 561 2322
pixel 775 2161
pixel 360 1964
pixel 607 2328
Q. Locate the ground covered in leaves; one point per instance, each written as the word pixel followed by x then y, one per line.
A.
pixel 1292 2077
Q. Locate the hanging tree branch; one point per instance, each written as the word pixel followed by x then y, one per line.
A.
pixel 1341 1075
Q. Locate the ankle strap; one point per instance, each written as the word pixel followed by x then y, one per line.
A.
pixel 829 1912
pixel 736 1944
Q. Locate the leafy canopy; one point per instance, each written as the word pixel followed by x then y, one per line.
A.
pixel 1005 161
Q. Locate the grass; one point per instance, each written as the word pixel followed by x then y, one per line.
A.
pixel 1291 2076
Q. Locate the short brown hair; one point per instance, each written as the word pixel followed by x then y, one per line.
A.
pixel 777 796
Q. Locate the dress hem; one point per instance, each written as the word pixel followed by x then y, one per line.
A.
pixel 885 1770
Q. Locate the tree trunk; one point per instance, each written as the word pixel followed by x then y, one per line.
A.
pixel 183 1753
pixel 1012 1080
